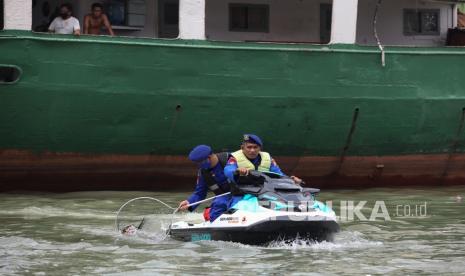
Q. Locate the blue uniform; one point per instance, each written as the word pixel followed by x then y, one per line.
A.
pixel 231 167
pixel 219 204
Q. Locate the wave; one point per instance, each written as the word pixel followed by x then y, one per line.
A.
pixel 48 211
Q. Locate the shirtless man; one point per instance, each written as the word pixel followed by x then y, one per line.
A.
pixel 94 22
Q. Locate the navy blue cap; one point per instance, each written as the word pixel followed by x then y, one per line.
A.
pixel 252 138
pixel 200 153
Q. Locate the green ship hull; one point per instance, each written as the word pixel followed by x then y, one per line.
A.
pixel 123 113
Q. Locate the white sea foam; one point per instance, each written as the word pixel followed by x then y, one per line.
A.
pixel 344 240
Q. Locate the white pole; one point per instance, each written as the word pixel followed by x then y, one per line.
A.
pixel 18 15
pixel 207 199
pixel 344 22
pixel 192 19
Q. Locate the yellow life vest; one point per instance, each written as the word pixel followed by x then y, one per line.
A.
pixel 244 162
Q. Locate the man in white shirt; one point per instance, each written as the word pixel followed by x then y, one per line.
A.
pixel 65 23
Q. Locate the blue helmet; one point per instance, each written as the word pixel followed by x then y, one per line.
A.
pixel 200 153
pixel 252 138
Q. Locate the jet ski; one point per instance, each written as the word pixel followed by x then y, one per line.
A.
pixel 272 208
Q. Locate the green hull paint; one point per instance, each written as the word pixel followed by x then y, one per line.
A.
pixel 146 96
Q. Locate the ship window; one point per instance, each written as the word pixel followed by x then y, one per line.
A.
pixel 126 13
pixel 9 74
pixel 249 18
pixel 421 22
pixel 168 13
pixel 171 13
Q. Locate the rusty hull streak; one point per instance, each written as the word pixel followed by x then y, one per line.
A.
pixel 60 172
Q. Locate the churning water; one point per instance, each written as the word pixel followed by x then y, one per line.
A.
pixel 422 230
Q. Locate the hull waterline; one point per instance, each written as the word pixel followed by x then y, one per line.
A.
pixel 22 170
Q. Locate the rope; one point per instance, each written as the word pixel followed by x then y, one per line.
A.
pixel 375 32
pixel 175 210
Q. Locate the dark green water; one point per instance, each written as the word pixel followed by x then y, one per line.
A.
pixel 61 234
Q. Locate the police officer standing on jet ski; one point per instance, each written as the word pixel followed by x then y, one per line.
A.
pixel 250 157
pixel 210 177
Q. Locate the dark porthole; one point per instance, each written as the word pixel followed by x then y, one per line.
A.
pixel 9 74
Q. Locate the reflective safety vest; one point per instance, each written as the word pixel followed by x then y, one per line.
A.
pixel 244 162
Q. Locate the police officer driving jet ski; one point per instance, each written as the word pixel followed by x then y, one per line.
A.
pixel 250 157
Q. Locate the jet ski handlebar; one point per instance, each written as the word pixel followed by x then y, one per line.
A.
pixel 254 181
